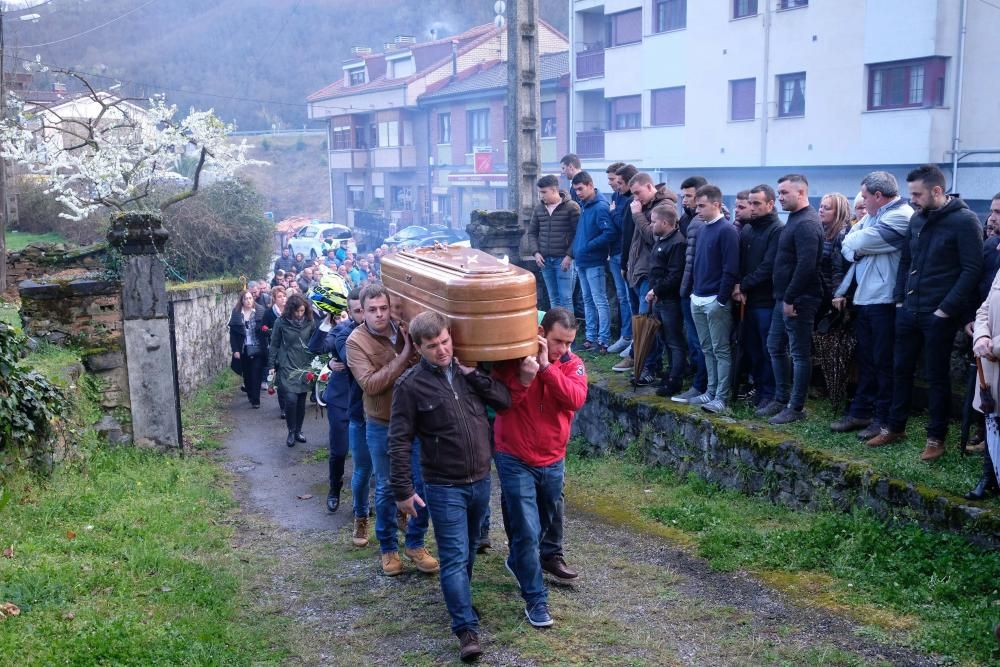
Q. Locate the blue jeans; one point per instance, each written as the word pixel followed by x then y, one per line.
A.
pixel 875 330
pixel 695 355
pixel 622 291
pixel 457 511
pixel 532 497
pixel 916 332
pixel 559 283
pixel 755 328
pixel 385 503
pixel 597 311
pixel 361 478
pixel 789 342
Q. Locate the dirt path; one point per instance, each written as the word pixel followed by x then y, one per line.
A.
pixel 640 600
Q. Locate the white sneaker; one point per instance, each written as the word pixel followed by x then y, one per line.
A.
pixel 686 396
pixel 618 345
pixel 703 399
pixel 627 352
pixel 715 406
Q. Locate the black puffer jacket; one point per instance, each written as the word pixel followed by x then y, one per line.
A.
pixel 758 246
pixel 942 260
pixel 551 235
pixel 796 264
pixel 666 267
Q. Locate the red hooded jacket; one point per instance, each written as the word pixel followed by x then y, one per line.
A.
pixel 535 429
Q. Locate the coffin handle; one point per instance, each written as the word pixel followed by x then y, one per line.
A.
pixel 409 278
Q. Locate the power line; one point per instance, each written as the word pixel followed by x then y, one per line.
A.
pixel 987 2
pixel 90 30
pixel 183 91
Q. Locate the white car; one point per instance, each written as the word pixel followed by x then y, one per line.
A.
pixel 316 238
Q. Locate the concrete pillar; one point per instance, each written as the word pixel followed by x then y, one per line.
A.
pixel 523 100
pixel 149 353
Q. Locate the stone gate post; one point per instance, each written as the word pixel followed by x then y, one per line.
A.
pixel 149 352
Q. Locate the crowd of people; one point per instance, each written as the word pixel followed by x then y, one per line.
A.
pixel 881 283
pixel 881 279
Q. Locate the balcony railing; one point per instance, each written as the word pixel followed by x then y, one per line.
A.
pixel 590 143
pixel 590 64
pixel 349 159
pixel 400 157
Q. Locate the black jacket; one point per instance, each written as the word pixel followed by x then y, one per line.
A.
pixel 355 403
pixel 942 261
pixel 285 264
pixel 689 215
pixel 237 330
pixel 796 263
pixel 336 394
pixel 450 420
pixel 666 267
pixel 552 235
pixel 758 246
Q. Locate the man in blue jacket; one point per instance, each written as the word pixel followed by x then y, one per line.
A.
pixel 595 235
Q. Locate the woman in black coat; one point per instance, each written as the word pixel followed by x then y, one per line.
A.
pixel 246 340
pixel 271 315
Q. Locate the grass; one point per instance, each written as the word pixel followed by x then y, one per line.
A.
pixel 123 557
pixel 933 590
pixel 952 473
pixel 202 413
pixel 9 313
pixel 20 240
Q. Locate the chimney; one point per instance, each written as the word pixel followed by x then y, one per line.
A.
pixel 405 39
pixel 359 51
pixel 388 46
pixel 454 58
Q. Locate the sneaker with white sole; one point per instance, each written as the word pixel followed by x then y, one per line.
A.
pixel 627 352
pixel 618 346
pixel 716 407
pixel 702 399
pixel 538 615
pixel 686 396
pixel 624 365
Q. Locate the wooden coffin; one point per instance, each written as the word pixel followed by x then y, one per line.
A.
pixel 490 305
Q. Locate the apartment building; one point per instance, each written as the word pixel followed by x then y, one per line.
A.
pixel 468 119
pixel 379 140
pixel 742 91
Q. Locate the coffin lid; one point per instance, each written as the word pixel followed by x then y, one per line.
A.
pixel 465 261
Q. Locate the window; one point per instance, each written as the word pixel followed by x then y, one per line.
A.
pixel 361 137
pixel 402 198
pixel 388 134
pixel 623 28
pixel 910 83
pixel 669 15
pixel 625 112
pixel 792 94
pixel 744 8
pixel 742 99
pixel 444 128
pixel 373 135
pixel 478 127
pixel 548 119
pixel 357 76
pixel 667 106
pixel 792 4
pixel 355 196
pixel 340 138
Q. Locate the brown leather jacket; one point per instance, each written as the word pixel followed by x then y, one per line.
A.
pixel 376 364
pixel 449 417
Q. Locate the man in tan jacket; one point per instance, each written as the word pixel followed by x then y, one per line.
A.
pixel 378 352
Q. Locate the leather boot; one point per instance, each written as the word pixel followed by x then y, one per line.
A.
pixel 987 486
pixel 290 440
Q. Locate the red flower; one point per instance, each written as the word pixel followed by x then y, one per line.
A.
pixel 264 328
pixel 270 391
pixel 310 377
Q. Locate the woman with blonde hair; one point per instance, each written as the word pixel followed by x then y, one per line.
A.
pixel 832 339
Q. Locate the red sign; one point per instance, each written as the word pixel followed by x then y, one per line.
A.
pixel 483 162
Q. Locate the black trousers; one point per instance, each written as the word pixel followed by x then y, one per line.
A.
pixel 253 374
pixel 295 411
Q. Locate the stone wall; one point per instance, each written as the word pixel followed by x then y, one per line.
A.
pixel 201 318
pixel 42 259
pixel 754 460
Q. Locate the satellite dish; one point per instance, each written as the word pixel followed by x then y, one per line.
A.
pixel 499 6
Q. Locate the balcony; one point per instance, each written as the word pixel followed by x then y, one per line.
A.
pixel 590 64
pixel 349 159
pixel 590 144
pixel 398 157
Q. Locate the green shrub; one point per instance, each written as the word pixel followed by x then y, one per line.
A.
pixel 29 403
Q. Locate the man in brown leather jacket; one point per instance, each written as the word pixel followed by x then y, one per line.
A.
pixel 444 404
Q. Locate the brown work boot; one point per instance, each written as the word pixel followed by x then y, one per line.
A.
pixel 556 566
pixel 470 649
pixel 401 521
pixel 933 451
pixel 391 565
pixel 885 437
pixel 360 537
pixel 425 562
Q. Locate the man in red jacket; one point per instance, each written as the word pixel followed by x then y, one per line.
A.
pixel 530 442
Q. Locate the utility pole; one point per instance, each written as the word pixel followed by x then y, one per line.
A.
pixel 523 93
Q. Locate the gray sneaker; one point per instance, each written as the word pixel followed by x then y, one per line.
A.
pixel 787 416
pixel 716 407
pixel 686 396
pixel 618 346
pixel 703 399
pixel 627 352
pixel 771 409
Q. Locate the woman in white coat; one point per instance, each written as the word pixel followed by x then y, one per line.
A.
pixel 986 346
